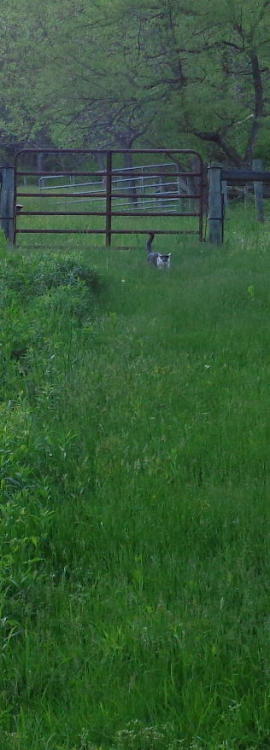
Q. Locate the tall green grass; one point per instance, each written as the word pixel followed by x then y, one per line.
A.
pixel 135 497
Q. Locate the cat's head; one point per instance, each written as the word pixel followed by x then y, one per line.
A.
pixel 164 260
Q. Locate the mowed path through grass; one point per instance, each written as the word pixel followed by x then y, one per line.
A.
pixel 136 592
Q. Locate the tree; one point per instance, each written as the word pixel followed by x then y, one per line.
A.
pixel 210 64
pixel 104 73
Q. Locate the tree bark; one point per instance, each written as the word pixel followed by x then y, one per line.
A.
pixel 258 107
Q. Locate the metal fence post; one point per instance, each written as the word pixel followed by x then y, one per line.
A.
pixel 215 206
pixel 7 203
pixel 257 166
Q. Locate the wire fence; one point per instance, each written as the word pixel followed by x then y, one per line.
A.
pixel 135 183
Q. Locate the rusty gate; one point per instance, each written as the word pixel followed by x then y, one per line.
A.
pixel 107 190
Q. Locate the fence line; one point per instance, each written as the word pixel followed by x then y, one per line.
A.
pixel 141 198
pixel 217 177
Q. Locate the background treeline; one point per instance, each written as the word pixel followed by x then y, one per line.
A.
pixel 131 73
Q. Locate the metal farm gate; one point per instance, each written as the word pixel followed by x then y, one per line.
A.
pixel 149 190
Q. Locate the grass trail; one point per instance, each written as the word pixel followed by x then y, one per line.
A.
pixel 135 498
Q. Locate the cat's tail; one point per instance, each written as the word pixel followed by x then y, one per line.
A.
pixel 149 242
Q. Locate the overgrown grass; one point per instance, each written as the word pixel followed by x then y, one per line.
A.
pixel 135 497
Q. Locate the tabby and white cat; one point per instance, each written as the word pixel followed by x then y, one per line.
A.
pixel 160 260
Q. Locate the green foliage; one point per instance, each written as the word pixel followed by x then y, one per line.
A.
pixel 123 73
pixel 37 298
pixel 134 498
pixel 30 279
pixel 24 524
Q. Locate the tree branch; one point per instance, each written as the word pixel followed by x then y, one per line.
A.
pixel 216 137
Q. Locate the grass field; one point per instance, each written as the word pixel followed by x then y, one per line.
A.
pixel 135 515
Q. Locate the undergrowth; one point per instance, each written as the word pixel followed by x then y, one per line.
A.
pixel 135 523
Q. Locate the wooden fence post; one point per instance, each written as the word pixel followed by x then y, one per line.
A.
pixel 108 199
pixel 258 190
pixel 7 203
pixel 215 206
pixel 224 188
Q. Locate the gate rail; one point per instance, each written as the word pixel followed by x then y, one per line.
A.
pixel 15 193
